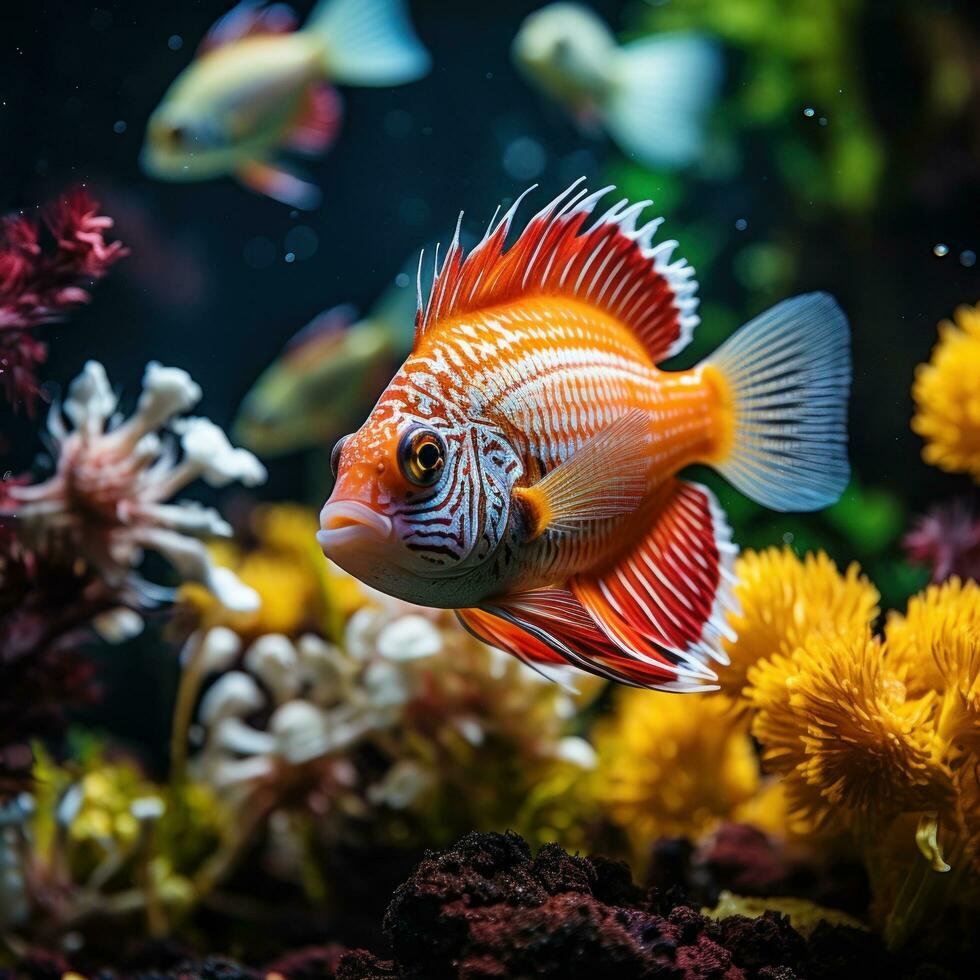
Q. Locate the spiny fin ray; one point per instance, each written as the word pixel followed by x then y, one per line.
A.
pixel 612 265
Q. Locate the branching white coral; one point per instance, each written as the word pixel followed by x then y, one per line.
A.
pixel 293 712
pixel 107 500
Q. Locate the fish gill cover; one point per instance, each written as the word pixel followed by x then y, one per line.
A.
pixel 223 755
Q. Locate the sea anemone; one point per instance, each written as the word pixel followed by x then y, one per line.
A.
pixel 107 501
pixel 947 396
pixel 39 285
pixel 783 599
pixel 672 766
pixel 837 724
pixel 940 611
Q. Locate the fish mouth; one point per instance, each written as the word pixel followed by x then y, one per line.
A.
pixel 345 523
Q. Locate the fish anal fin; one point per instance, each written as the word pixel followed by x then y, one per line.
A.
pixel 540 625
pixel 507 636
pixel 671 588
pixel 249 18
pixel 612 265
pixel 279 184
pixel 604 478
pixel 318 121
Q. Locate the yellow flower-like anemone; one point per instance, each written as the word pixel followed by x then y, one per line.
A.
pixel 941 610
pixel 838 725
pixel 946 392
pixel 916 641
pixel 784 598
pixel 672 765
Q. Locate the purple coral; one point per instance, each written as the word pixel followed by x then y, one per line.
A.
pixel 946 540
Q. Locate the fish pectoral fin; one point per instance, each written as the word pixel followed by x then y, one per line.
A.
pixel 549 629
pixel 672 588
pixel 279 184
pixel 605 478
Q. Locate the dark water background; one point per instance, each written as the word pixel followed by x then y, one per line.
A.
pixel 208 287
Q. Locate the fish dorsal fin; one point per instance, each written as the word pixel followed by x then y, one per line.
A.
pixel 249 18
pixel 612 265
pixel 324 331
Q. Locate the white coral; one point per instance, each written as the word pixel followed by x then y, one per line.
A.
pixel 107 501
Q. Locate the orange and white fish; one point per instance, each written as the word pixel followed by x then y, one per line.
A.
pixel 521 467
pixel 259 87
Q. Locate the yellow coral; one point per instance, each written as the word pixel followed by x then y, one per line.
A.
pixel 287 570
pixel 672 765
pixel 946 392
pixel 804 916
pixel 940 610
pixel 839 726
pixel 783 598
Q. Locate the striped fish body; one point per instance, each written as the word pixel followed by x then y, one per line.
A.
pixel 550 373
pixel 522 466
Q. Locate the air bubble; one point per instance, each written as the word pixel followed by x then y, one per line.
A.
pixel 741 224
pixel 809 112
pixel 119 127
pixel 968 258
pixel 524 158
pixel 940 251
pixel 175 42
pixel 301 242
pixel 290 257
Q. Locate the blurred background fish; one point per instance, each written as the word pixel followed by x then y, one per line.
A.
pixel 260 86
pixel 329 374
pixel 652 96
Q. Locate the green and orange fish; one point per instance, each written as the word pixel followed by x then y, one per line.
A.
pixel 260 87
pixel 522 465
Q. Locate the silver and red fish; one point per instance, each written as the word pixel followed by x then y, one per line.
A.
pixel 260 86
pixel 522 465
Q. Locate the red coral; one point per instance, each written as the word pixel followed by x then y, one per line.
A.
pixel 947 541
pixel 39 285
pixel 43 672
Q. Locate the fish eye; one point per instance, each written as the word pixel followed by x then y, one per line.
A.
pixel 335 454
pixel 421 456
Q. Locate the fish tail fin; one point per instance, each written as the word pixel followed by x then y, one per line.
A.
pixel 368 42
pixel 784 380
pixel 663 88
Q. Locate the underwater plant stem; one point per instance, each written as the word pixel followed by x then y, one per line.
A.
pixel 191 677
pixel 920 896
pixel 221 863
pixel 156 916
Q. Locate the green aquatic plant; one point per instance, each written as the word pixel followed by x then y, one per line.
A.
pixel 98 840
pixel 797 79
